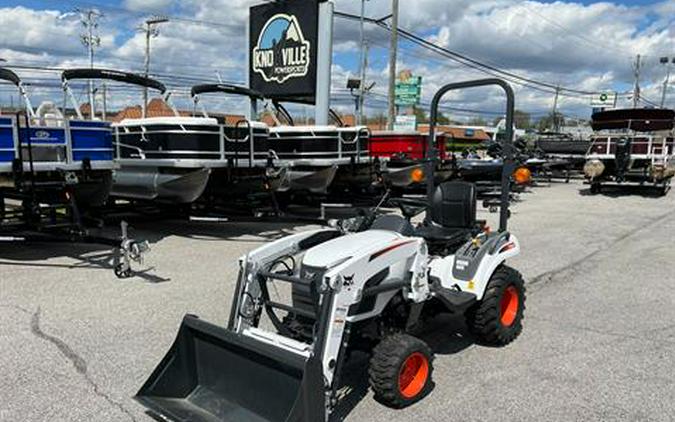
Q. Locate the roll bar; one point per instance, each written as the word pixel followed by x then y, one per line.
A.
pixel 432 152
pixel 10 76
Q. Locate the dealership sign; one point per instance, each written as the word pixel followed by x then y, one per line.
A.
pixel 283 44
pixel 281 52
pixel 604 100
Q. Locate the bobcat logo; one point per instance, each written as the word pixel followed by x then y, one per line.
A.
pixel 348 280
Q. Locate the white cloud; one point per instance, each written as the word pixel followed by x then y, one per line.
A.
pixel 147 5
pixel 588 47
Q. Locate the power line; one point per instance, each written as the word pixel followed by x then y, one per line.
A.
pixel 466 60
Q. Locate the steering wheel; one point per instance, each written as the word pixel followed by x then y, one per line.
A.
pixel 409 207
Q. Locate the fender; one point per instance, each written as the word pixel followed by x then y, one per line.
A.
pixel 349 278
pixel 470 269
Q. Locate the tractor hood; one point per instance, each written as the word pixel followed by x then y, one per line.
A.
pixel 335 251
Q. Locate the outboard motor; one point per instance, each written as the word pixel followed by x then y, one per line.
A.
pixel 622 158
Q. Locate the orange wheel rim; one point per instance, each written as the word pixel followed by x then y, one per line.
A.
pixel 509 306
pixel 413 375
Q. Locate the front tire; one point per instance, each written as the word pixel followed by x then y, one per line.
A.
pixel 498 318
pixel 400 370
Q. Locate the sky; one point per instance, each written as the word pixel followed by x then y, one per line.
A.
pixel 581 45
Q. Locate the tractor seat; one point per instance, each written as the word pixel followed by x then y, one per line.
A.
pixel 452 214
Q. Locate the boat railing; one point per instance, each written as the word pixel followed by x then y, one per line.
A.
pixel 248 138
pixel 650 144
pixel 55 142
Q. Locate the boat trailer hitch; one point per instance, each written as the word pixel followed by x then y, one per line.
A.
pixel 127 250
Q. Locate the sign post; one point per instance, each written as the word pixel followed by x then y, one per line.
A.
pixel 324 63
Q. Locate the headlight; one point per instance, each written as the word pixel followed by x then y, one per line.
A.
pixel 593 168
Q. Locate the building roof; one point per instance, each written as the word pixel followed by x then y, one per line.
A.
pixel 158 108
pixel 459 133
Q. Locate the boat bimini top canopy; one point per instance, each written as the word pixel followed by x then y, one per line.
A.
pixel 10 76
pixel 112 75
pixel 226 89
pixel 636 119
pixel 253 96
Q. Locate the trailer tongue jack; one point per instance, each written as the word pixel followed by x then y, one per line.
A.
pixel 127 250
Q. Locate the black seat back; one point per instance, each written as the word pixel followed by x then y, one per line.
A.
pixel 454 205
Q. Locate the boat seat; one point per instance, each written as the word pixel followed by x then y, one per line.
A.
pixel 452 214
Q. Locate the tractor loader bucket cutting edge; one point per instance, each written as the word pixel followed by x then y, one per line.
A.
pixel 213 374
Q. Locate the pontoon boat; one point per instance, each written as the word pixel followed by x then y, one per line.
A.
pixel 632 146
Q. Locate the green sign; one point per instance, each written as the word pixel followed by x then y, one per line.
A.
pixel 409 91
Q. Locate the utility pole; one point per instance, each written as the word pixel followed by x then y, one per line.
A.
pixel 665 61
pixel 636 88
pixel 91 40
pixel 391 115
pixel 151 31
pixel 362 64
pixel 362 88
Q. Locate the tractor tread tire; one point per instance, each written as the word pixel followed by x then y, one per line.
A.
pixel 385 366
pixel 483 318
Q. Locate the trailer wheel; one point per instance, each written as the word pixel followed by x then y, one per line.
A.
pixel 400 370
pixel 497 319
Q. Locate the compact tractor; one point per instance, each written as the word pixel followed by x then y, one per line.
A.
pixel 362 285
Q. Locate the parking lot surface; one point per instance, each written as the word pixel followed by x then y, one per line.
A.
pixel 598 341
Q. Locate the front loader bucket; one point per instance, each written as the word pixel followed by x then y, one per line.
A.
pixel 213 374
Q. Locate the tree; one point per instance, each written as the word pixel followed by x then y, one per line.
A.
pixel 477 121
pixel 551 121
pixel 444 120
pixel 522 119
pixel 420 114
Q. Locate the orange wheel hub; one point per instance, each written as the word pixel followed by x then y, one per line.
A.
pixel 509 306
pixel 413 375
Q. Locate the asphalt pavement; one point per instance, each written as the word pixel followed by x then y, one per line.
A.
pixel 598 340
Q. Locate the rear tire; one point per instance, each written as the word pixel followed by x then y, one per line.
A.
pixel 400 370
pixel 497 319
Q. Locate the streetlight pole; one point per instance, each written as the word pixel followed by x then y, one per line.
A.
pixel 151 31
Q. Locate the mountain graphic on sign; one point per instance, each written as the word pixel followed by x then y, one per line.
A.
pixel 282 37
